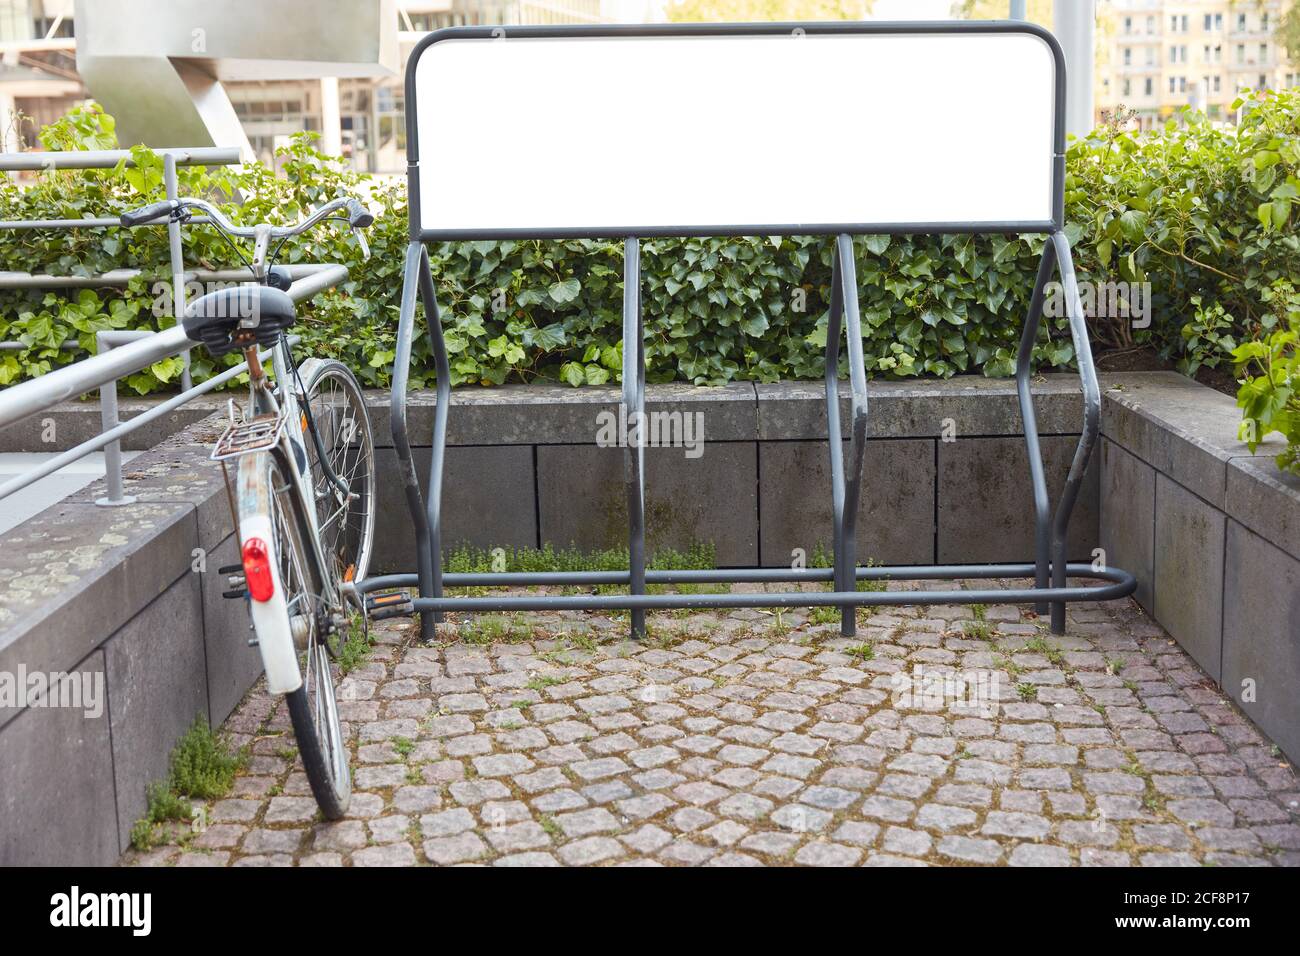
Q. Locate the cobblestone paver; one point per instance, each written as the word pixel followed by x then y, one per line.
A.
pixel 754 738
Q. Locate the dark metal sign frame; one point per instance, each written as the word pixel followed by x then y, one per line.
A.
pixel 1050 568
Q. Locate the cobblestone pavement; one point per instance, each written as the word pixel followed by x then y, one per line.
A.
pixel 750 738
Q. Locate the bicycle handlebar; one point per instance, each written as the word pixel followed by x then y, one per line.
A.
pixel 358 216
pixel 147 213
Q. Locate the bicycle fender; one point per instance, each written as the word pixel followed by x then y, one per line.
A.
pixel 270 617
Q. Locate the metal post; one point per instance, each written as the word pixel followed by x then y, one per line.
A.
pixel 433 505
pixel 401 438
pixel 109 420
pixel 1091 422
pixel 1024 372
pixel 634 404
pixel 846 482
pixel 1018 10
pixel 1074 24
pixel 835 439
pixel 177 262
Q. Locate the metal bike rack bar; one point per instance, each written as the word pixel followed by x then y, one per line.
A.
pixel 1049 569
pixel 634 402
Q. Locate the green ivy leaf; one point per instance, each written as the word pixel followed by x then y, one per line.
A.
pixel 565 291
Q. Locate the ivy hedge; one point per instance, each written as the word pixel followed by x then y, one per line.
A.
pixel 1202 213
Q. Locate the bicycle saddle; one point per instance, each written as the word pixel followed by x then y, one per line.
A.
pixel 216 317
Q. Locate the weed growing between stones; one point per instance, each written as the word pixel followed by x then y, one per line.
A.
pixel 355 647
pixel 202 767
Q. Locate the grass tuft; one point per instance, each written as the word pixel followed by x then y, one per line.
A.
pixel 201 767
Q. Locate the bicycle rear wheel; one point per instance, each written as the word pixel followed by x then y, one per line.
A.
pixel 313 707
pixel 347 528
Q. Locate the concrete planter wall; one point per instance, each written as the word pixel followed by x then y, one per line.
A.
pixel 132 592
pixel 1213 535
pixel 946 475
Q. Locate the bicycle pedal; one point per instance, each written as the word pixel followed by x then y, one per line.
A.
pixel 388 604
pixel 235 579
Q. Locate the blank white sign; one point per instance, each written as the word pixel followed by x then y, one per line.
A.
pixel 733 134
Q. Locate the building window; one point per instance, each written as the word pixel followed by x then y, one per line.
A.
pixel 16 21
pixel 1149 86
pixel 1128 56
pixel 272 112
pixel 1128 24
pixel 390 127
pixel 1128 87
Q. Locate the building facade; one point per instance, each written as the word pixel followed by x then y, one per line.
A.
pixel 1153 56
pixel 1157 56
pixel 39 80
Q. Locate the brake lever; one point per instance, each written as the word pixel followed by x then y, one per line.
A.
pixel 361 239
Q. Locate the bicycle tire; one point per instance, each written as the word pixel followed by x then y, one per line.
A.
pixel 313 706
pixel 336 400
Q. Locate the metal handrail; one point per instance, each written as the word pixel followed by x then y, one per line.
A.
pixel 114 436
pixel 109 159
pixel 35 395
pixel 121 278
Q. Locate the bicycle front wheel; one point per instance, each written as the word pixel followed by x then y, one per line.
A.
pixel 338 410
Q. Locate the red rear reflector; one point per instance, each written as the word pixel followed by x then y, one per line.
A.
pixel 257 569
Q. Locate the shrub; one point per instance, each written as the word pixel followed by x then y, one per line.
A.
pixel 1269 370
pixel 1201 212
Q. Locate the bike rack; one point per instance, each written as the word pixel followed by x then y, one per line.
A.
pixel 438 221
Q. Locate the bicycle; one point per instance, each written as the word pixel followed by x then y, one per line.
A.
pixel 304 499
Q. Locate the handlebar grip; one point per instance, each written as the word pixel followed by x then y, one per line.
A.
pixel 359 217
pixel 147 213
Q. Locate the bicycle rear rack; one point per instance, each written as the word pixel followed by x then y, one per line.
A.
pixel 244 438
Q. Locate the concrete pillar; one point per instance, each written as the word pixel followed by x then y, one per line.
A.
pixel 331 125
pixel 1074 24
